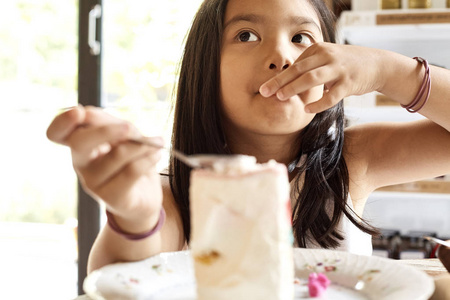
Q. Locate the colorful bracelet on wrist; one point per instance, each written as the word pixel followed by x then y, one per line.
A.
pixel 132 236
pixel 424 90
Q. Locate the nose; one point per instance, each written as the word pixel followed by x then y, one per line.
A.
pixel 279 56
pixel 273 66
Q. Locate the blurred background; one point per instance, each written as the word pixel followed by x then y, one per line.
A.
pixel 141 44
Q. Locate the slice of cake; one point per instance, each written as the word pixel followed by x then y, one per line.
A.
pixel 241 239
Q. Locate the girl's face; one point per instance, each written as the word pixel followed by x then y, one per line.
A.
pixel 262 38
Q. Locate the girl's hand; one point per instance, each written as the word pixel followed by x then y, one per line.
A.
pixel 109 166
pixel 343 70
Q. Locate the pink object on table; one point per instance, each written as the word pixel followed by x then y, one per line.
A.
pixel 315 289
pixel 317 284
pixel 323 279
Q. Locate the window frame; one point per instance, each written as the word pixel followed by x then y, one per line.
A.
pixel 89 93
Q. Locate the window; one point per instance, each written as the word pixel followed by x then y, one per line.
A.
pixel 38 67
pixel 142 46
pixel 142 43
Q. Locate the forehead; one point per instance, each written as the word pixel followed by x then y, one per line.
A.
pixel 272 10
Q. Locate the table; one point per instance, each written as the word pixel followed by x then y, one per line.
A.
pixel 431 266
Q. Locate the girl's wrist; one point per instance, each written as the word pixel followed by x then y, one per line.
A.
pixel 400 77
pixel 134 229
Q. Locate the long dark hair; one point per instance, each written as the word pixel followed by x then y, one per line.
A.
pixel 198 128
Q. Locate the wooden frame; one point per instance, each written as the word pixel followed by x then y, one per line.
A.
pixel 89 91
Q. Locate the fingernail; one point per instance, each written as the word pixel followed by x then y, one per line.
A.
pixel 264 90
pixel 280 95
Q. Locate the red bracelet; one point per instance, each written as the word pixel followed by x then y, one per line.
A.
pixel 132 236
pixel 424 88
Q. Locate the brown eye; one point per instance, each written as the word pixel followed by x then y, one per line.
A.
pixel 301 39
pixel 247 36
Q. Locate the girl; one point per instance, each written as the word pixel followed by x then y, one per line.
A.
pixel 264 78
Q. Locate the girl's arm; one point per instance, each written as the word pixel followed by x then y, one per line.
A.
pixel 122 175
pixel 347 70
pixel 377 154
pixel 393 153
pixel 109 247
pixel 382 154
pixel 401 80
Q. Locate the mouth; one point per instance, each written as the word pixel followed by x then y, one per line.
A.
pixel 275 97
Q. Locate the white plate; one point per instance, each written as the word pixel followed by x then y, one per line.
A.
pixel 170 276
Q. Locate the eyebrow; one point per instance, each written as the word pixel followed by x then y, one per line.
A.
pixel 258 19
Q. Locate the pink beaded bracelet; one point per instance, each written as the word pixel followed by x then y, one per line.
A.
pixel 132 236
pixel 424 88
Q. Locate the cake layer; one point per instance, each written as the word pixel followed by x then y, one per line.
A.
pixel 241 232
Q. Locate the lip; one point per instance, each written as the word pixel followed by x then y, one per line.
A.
pixel 275 98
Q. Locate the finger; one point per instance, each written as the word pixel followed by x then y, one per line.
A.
pixel 330 98
pixel 64 124
pixel 96 116
pixel 303 64
pixel 305 82
pixel 85 140
pixel 107 166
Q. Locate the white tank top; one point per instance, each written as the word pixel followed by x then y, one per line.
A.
pixel 355 240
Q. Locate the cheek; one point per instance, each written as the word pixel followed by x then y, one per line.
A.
pixel 226 82
pixel 227 92
pixel 231 73
pixel 233 82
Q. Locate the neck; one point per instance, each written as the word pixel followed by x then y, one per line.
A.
pixel 282 148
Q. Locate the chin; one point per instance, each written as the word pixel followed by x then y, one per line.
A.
pixel 283 126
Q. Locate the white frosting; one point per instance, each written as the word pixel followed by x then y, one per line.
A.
pixel 241 231
pixel 238 164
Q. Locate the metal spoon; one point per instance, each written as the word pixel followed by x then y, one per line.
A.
pixel 193 161
pixel 437 241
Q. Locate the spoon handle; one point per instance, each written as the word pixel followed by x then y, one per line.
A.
pixel 192 162
pixel 437 241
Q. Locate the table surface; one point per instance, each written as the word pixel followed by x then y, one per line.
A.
pixel 431 266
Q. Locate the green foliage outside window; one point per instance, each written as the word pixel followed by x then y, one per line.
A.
pixel 142 43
